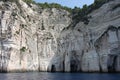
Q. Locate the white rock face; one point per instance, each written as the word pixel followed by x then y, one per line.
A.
pixel 35 39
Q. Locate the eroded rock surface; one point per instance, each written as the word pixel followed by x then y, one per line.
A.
pixel 35 39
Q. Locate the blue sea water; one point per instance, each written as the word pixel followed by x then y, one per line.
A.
pixel 59 76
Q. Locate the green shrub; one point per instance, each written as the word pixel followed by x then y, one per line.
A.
pixel 17 32
pixel 29 1
pixel 14 14
pixel 80 14
pixel 23 49
pixel 53 5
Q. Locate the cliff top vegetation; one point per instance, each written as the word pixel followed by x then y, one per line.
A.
pixel 78 14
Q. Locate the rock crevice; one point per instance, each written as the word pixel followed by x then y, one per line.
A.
pixel 35 39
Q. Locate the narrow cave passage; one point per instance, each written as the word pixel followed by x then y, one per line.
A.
pixel 53 68
pixel 73 66
pixel 112 63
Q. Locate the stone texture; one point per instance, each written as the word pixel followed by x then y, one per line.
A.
pixel 35 39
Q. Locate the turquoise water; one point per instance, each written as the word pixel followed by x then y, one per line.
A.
pixel 59 76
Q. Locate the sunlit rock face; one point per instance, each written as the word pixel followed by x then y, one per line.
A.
pixel 35 39
pixel 29 35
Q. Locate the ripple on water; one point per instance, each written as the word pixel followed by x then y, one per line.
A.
pixel 59 76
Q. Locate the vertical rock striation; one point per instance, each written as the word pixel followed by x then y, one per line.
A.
pixel 35 39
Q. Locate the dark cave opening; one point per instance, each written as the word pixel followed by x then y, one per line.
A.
pixel 53 68
pixel 112 62
pixel 73 66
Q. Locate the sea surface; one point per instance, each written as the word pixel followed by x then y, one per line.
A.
pixel 59 76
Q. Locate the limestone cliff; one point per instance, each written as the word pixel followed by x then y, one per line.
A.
pixel 35 39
